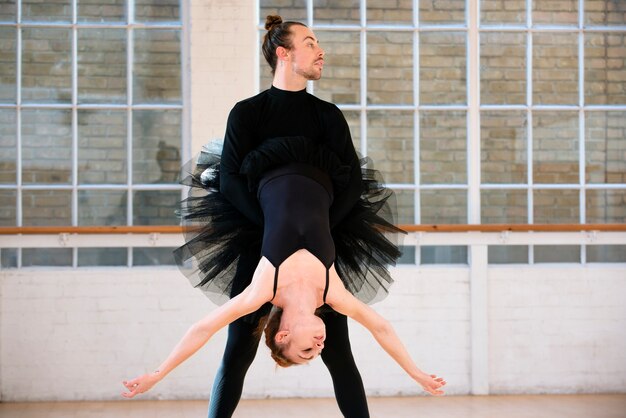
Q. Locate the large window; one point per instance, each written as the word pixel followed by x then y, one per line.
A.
pixel 513 114
pixel 90 121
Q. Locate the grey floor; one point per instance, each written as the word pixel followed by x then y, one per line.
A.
pixel 524 406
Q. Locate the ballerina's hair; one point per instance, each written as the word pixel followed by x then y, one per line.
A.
pixel 270 323
pixel 278 34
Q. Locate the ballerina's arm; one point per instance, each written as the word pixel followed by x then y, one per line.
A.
pixel 251 299
pixel 344 302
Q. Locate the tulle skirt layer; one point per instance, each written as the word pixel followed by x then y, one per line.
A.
pixel 223 247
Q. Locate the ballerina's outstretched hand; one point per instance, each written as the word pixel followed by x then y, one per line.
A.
pixel 140 384
pixel 431 383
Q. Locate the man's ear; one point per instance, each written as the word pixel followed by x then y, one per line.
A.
pixel 282 53
pixel 281 337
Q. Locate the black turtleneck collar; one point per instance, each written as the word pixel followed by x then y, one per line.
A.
pixel 276 92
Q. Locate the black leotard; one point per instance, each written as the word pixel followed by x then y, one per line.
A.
pixel 295 200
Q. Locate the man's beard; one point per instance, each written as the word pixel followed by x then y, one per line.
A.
pixel 309 75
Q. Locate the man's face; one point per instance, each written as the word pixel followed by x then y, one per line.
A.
pixel 306 58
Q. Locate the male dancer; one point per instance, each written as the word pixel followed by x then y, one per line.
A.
pixel 286 109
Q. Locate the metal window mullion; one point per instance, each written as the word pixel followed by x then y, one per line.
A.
pixel 130 42
pixel 529 123
pixel 417 201
pixel 74 60
pixel 363 75
pixel 18 131
pixel 186 145
pixel 581 123
pixel 309 19
pixel 605 108
pixel 473 113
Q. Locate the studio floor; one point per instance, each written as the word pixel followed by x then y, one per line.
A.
pixel 523 406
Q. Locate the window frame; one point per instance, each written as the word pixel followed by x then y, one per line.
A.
pixel 74 24
pixel 473 28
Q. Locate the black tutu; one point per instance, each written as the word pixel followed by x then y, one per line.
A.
pixel 223 247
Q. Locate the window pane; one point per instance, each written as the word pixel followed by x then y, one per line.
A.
pixel 442 68
pixel 354 123
pixel 389 68
pixel 340 82
pixel 8 212
pixel 605 147
pixel 456 254
pixel 502 11
pixel 47 207
pixel 407 256
pixel 555 68
pixel 503 68
pixel 157 66
pixel 101 207
pixel 605 68
pixel 405 202
pixel 8 258
pixel 557 253
pixel 390 144
pixel 156 146
pixel 556 207
pixel 47 146
pixel 555 147
pixel 49 257
pixel 606 253
pixel 333 12
pixel 444 207
pixel 102 147
pixel 8 147
pixel 390 12
pixel 102 66
pixel 562 12
pixel 504 206
pixel 155 207
pixel 605 12
pixel 88 257
pixel 46 65
pixel 288 9
pixel 507 254
pixel 57 10
pixel 8 64
pixel 96 11
pixel 606 206
pixel 503 147
pixel 441 12
pixel 157 10
pixel 8 11
pixel 443 147
pixel 149 256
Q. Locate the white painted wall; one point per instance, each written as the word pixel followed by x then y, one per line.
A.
pixel 76 334
pixel 557 330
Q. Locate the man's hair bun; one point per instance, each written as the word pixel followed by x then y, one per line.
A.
pixel 272 20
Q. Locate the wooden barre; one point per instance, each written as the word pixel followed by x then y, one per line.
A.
pixel 173 229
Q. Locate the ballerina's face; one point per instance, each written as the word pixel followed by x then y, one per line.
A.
pixel 306 340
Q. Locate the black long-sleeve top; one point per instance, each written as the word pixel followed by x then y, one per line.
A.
pixel 280 113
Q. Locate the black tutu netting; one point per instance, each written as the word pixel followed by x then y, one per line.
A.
pixel 223 247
